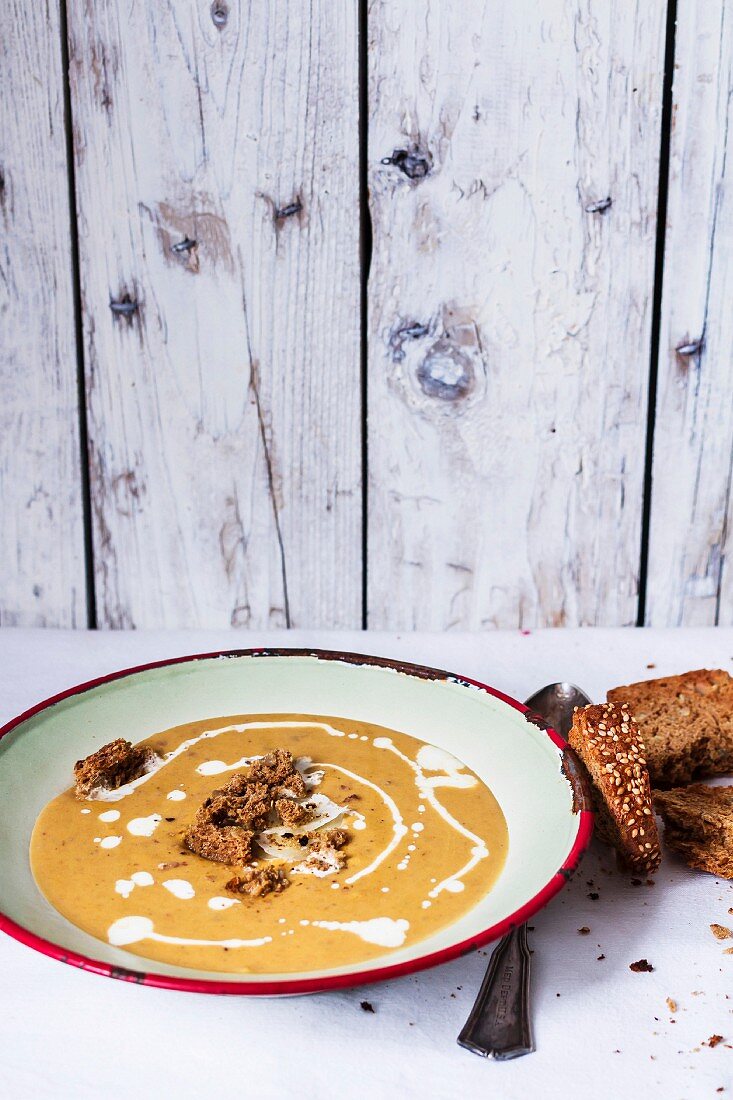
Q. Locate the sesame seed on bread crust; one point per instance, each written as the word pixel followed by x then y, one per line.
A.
pixel 686 722
pixel 698 825
pixel 607 741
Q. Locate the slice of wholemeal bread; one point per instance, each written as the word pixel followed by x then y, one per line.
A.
pixel 698 825
pixel 686 722
pixel 606 739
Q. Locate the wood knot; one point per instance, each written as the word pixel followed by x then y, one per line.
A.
pixel 414 162
pixel 600 206
pixel 219 14
pixel 446 372
pixel 441 359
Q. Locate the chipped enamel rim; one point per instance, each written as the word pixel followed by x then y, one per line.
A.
pixel 271 985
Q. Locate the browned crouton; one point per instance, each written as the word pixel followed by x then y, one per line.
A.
pixel 291 813
pixel 329 838
pixel 238 802
pixel 227 844
pixel 277 769
pixel 258 881
pixel 225 824
pixel 110 767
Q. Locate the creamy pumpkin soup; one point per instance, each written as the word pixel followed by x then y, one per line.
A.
pixel 224 854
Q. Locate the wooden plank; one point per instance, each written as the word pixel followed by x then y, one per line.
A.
pixel 42 546
pixel 222 375
pixel 510 309
pixel 690 580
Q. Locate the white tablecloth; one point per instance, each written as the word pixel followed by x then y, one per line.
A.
pixel 601 1030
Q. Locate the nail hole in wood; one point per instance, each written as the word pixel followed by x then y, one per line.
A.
pixel 124 307
pixel 690 347
pixel 219 14
pixel 600 206
pixel 187 250
pixel 415 163
pixel 282 212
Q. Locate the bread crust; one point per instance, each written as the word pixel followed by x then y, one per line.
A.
pixel 686 722
pixel 607 740
pixel 698 825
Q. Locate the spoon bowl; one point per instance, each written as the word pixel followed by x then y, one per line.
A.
pixel 555 704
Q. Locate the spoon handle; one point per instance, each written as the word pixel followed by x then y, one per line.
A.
pixel 499 1024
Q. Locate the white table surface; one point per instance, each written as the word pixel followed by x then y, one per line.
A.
pixel 601 1030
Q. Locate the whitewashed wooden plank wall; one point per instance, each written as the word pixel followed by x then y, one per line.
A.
pixel 690 580
pixel 510 313
pixel 42 570
pixel 217 158
pixel 367 294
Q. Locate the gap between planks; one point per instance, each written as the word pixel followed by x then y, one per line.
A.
pixel 662 196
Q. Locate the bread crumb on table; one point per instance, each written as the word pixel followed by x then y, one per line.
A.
pixel 721 932
pixel 641 966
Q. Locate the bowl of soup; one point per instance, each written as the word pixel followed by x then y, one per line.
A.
pixel 422 815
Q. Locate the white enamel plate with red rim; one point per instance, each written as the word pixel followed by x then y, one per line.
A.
pixel 528 768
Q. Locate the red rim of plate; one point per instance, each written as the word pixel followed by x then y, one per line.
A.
pixel 337 981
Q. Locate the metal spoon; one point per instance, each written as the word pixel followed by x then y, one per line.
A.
pixel 499 1024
